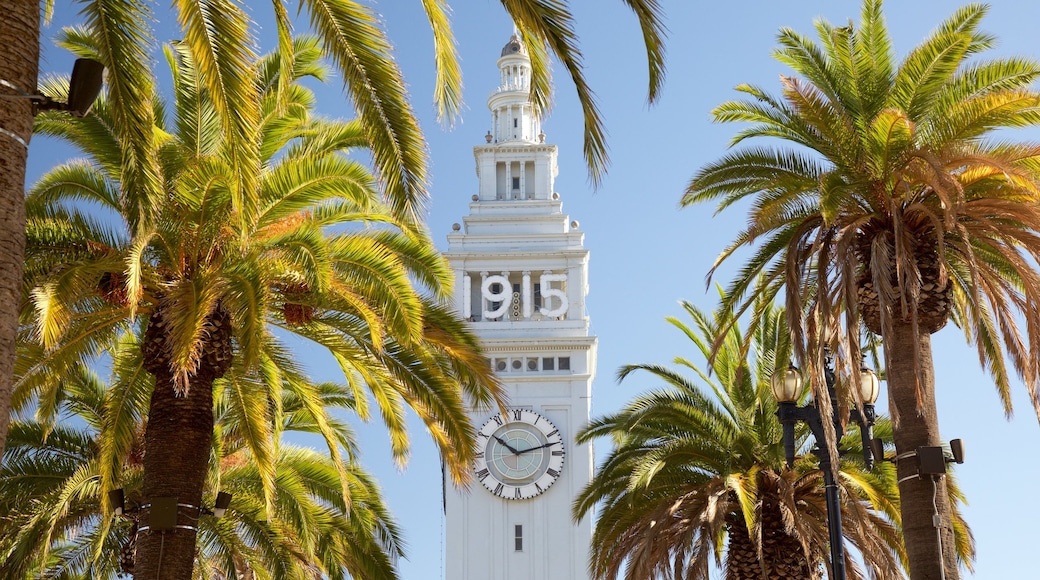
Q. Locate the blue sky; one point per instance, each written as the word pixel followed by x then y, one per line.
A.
pixel 646 254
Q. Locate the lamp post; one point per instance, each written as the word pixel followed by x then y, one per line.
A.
pixel 787 386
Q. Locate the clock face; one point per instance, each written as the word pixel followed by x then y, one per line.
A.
pixel 519 454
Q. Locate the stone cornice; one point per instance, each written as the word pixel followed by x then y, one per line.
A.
pixel 544 344
pixel 517 148
pixel 544 255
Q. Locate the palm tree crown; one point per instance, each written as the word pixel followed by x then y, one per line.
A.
pixel 222 36
pixel 897 205
pixel 692 470
pixel 214 281
pixel 886 197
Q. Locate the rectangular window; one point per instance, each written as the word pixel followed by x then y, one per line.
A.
pixel 565 363
pixel 516 183
pixel 548 363
pixel 537 297
pixel 518 538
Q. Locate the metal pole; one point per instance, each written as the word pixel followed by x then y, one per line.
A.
pixel 831 486
pixel 833 517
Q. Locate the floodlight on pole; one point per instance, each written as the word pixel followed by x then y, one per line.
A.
pixel 88 76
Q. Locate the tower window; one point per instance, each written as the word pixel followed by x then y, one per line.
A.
pixel 548 363
pixel 515 125
pixel 565 363
pixel 516 183
pixel 518 537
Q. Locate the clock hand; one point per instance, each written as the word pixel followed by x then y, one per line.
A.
pixel 507 446
pixel 539 447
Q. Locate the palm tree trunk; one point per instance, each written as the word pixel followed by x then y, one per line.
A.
pixel 19 65
pixel 917 426
pixel 782 554
pixel 178 440
pixel 741 557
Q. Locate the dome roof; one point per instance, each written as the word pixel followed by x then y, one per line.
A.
pixel 514 46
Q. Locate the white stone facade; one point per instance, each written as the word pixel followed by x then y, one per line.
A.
pixel 521 277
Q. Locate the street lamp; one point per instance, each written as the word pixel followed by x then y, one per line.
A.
pixel 787 387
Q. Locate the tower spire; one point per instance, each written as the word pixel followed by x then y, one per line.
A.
pixel 513 116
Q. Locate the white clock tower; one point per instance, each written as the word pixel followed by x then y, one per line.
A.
pixel 521 273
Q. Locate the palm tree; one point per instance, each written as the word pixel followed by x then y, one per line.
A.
pixel 54 524
pixel 19 62
pixel 899 207
pixel 691 470
pixel 211 292
pixel 220 34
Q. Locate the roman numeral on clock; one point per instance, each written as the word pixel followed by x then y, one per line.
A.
pixel 482 474
pixel 499 488
pixel 552 472
pixel 517 413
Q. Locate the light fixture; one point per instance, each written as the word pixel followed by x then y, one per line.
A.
pixel 117 501
pixel 88 76
pixel 869 385
pixel 787 385
pixel 221 504
pixel 957 450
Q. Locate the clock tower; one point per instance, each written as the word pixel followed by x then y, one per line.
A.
pixel 521 277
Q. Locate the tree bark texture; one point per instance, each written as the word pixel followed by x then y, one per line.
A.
pixel 741 557
pixel 178 440
pixel 782 555
pixel 918 426
pixel 178 443
pixel 19 65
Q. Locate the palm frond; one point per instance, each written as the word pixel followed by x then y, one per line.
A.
pixel 353 39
